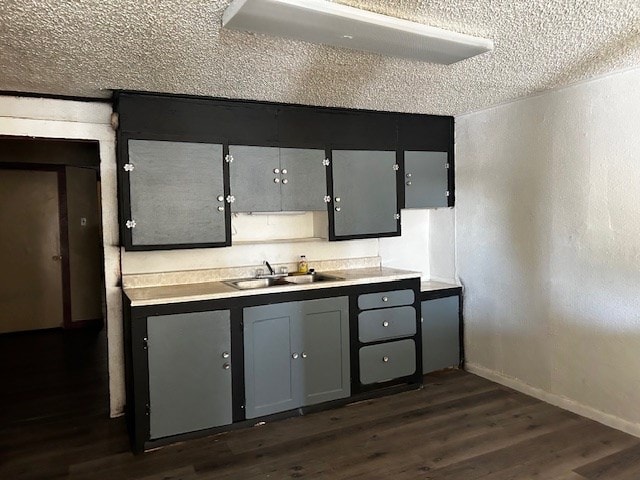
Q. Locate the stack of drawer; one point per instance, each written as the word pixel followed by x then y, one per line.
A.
pixel 387 326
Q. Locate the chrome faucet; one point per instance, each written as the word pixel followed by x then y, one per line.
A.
pixel 271 270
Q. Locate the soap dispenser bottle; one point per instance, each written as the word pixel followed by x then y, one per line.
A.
pixel 303 266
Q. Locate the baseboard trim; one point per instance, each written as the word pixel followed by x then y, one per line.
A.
pixel 557 400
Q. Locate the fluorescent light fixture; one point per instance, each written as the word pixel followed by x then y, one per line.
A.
pixel 329 23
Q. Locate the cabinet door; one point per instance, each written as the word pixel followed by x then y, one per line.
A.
pixel 364 193
pixel 321 372
pixel 254 184
pixel 268 353
pixel 440 334
pixel 426 179
pixel 304 183
pixel 173 192
pixel 189 386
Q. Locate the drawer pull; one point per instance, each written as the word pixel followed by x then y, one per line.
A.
pixel 385 299
pixel 385 359
pixel 385 324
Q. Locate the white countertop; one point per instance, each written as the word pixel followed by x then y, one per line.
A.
pixel 157 295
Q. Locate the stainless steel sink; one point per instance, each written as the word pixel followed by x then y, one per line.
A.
pixel 308 278
pixel 253 283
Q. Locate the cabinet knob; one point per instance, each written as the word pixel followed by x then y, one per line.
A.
pixel 276 170
pixel 276 180
pixel 221 198
pixel 385 324
pixel 221 209
pixel 285 181
pixel 385 359
pixel 408 175
pixel 304 355
pixel 337 199
pixel 284 171
pixel 409 183
pixel 226 366
pixel 225 354
pixel 338 209
pixel 385 299
pixel 294 356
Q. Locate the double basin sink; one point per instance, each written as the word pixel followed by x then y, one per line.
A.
pixel 280 280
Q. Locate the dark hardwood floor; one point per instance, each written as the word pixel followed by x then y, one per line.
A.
pixel 459 427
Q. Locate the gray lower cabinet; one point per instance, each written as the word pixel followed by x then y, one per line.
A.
pixel 387 361
pixel 426 179
pixel 440 333
pixel 189 372
pixel 174 191
pixel 270 179
pixel 364 193
pixel 296 354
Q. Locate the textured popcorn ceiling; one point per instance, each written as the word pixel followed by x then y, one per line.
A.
pixel 88 47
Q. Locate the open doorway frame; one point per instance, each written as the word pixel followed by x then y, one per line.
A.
pixel 84 120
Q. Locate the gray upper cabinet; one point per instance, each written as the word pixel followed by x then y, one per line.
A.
pixel 303 182
pixel 174 191
pixel 426 179
pixel 189 358
pixel 255 178
pixel 364 193
pixel 270 179
pixel 440 333
pixel 296 354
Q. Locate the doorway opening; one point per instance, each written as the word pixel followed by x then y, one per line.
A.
pixel 53 348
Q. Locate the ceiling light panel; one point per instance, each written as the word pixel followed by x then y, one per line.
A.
pixel 319 21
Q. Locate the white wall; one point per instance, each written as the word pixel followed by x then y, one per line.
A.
pixel 548 245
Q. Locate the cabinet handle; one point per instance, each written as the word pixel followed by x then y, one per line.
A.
pixel 225 354
pixel 385 359
pixel 385 324
pixel 284 171
pixel 221 209
pixel 226 366
pixel 385 299
pixel 276 180
pixel 285 181
pixel 304 355
pixel 276 170
pixel 294 356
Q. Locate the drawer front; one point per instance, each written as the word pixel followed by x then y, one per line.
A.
pixel 387 323
pixel 385 299
pixel 386 361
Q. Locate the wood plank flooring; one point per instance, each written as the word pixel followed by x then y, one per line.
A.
pixel 459 427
